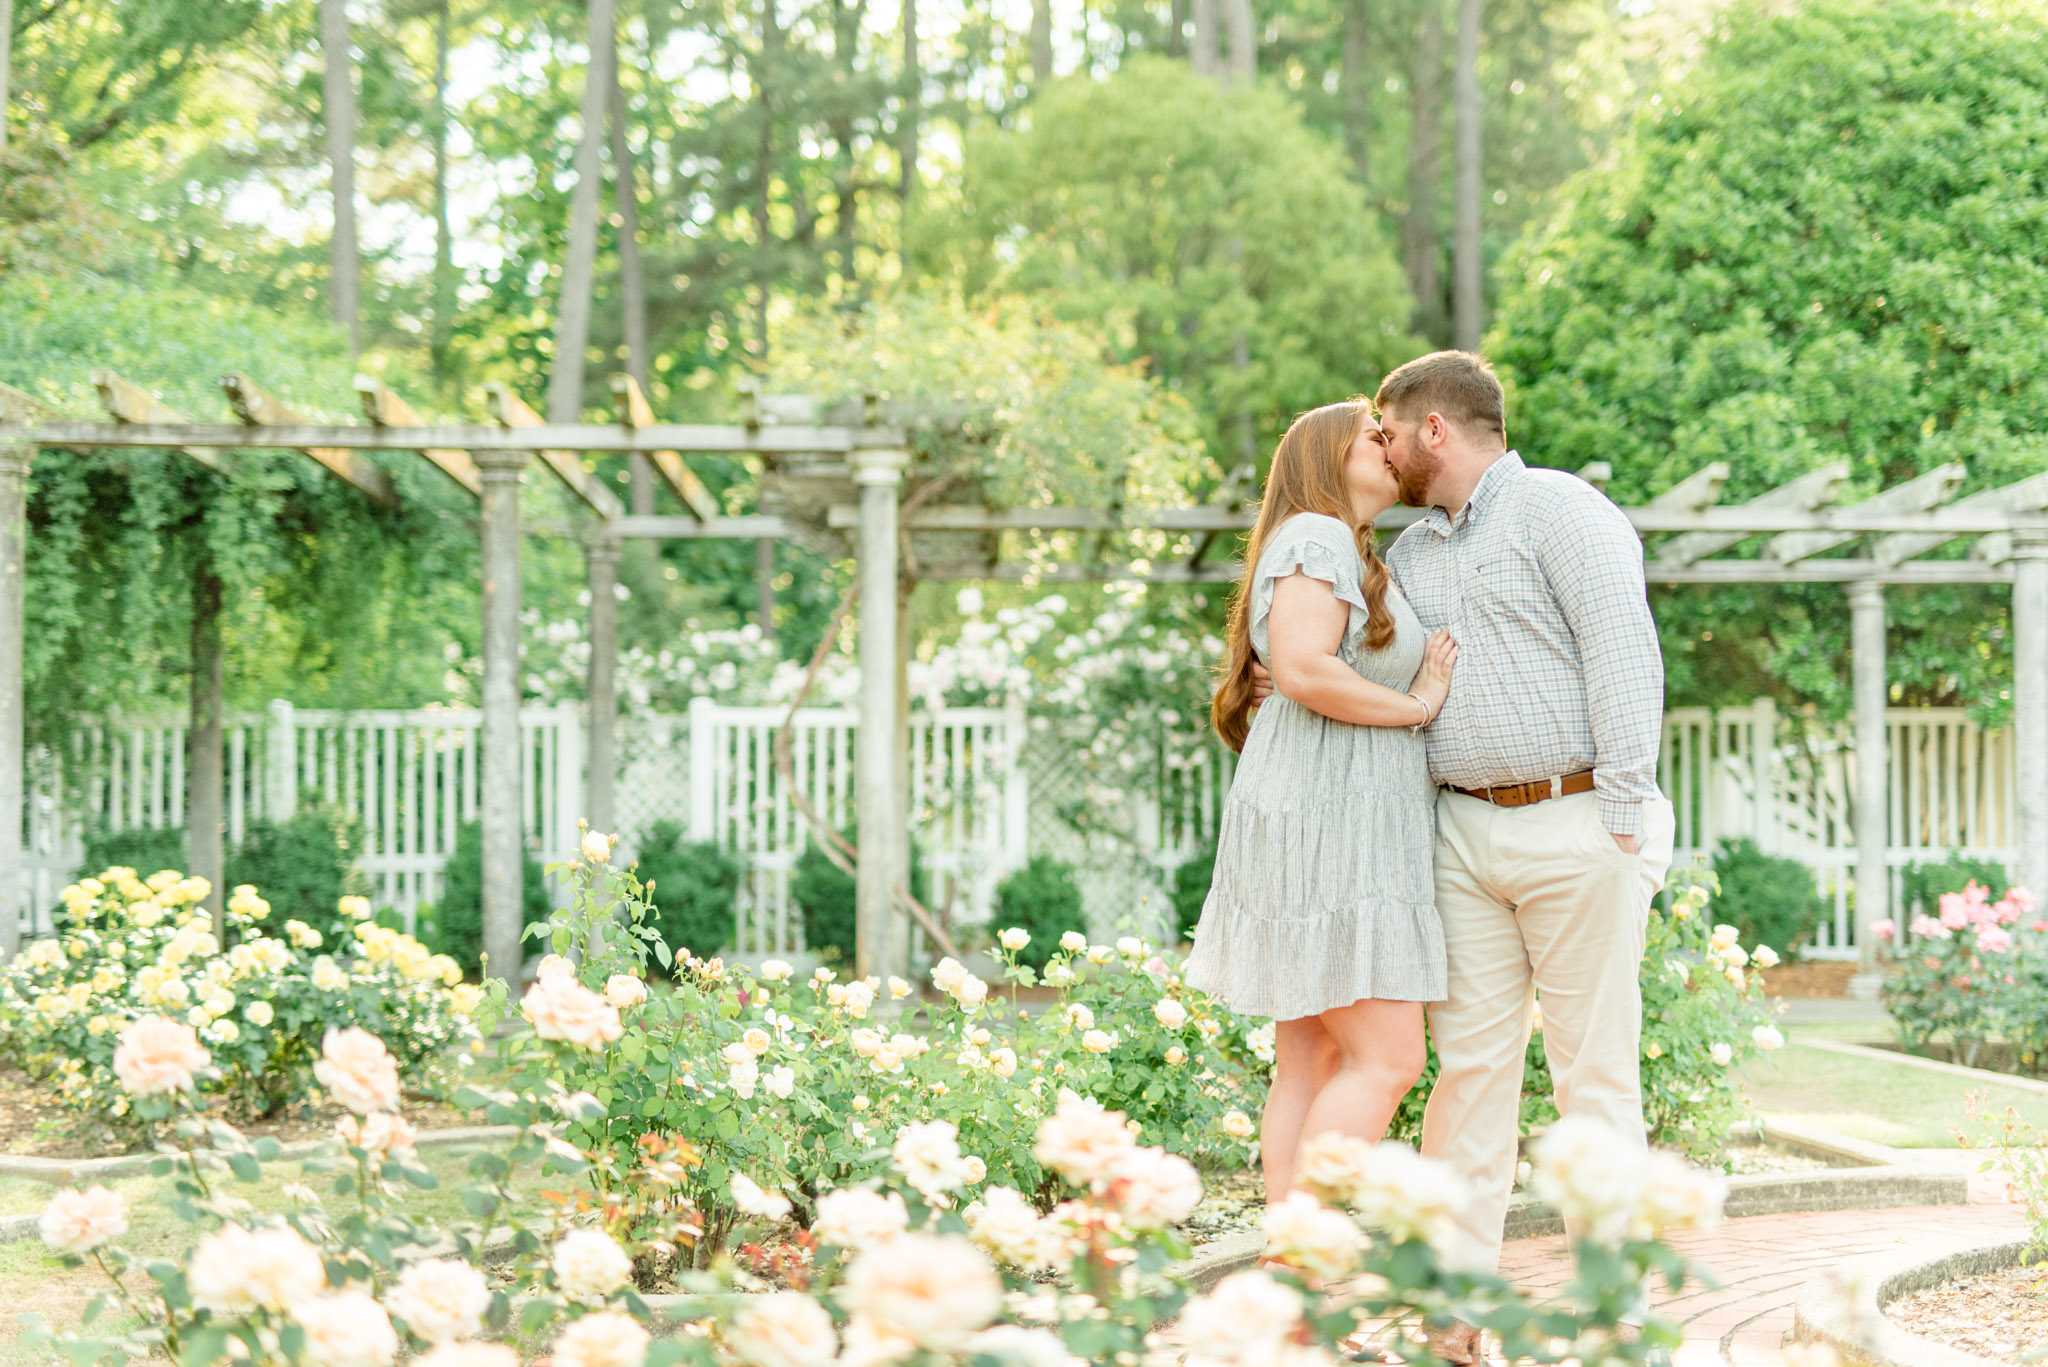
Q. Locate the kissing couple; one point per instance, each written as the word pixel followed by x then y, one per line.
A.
pixel 1446 799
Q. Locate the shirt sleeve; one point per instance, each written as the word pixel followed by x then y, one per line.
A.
pixel 1594 562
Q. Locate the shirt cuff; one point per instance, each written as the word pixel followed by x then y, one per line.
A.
pixel 1621 816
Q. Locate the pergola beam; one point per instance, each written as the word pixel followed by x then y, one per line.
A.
pixel 259 409
pixel 387 411
pixel 1802 496
pixel 2027 496
pixel 137 410
pixel 512 411
pixel 1921 494
pixel 634 412
pixel 1700 572
pixel 1697 491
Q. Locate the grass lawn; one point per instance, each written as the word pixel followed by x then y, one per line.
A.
pixel 1883 1103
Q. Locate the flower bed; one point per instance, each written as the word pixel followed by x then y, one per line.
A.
pixel 129 948
pixel 1976 972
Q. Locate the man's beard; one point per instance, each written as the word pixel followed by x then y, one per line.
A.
pixel 1416 473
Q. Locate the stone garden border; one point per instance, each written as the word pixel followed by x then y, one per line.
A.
pixel 1846 1311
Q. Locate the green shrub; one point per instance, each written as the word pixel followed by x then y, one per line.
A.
pixel 303 867
pixel 1043 899
pixel 825 897
pixel 455 924
pixel 142 848
pixel 695 889
pixel 1769 899
pixel 1921 885
pixel 1191 889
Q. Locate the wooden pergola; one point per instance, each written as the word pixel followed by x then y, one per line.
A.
pixel 841 486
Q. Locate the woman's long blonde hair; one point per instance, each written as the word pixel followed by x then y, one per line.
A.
pixel 1307 477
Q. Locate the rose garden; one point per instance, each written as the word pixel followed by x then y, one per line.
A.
pixel 702 869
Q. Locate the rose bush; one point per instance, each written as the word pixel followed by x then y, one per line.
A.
pixel 1968 974
pixel 259 998
pixel 910 1265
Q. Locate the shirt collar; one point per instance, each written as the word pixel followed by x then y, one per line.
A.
pixel 1497 474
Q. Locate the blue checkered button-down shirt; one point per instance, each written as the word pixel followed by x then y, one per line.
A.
pixel 1540 580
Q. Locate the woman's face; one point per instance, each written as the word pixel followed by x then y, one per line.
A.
pixel 1369 475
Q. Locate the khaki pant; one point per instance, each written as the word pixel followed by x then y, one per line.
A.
pixel 1535 899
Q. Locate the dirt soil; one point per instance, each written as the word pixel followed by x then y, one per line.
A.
pixel 1809 978
pixel 34 1124
pixel 1998 1315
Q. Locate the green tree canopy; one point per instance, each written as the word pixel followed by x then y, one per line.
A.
pixel 1828 242
pixel 1210 233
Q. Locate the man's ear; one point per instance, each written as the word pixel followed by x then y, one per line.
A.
pixel 1439 430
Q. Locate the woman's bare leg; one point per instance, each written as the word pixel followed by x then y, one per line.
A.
pixel 1304 1058
pixel 1380 1044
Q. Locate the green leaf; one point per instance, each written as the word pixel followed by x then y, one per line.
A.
pixel 245 1166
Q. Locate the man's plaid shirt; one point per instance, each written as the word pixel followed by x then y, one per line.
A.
pixel 1540 580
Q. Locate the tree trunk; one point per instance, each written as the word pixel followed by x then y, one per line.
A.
pixel 338 108
pixel 1355 89
pixel 1177 29
pixel 6 60
pixel 1467 271
pixel 1244 54
pixel 1041 43
pixel 572 312
pixel 1206 57
pixel 913 111
pixel 632 284
pixel 204 762
pixel 764 586
pixel 444 237
pixel 764 169
pixel 1419 246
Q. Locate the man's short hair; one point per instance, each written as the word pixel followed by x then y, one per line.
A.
pixel 1457 384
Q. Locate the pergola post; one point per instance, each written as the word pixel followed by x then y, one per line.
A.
pixel 14 461
pixel 879 475
pixel 603 548
pixel 503 895
pixel 1873 766
pixel 2030 700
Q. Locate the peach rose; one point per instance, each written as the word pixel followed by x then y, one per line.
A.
pixel 357 1070
pixel 346 1329
pixel 382 1135
pixel 158 1056
pixel 1082 1141
pixel 589 1265
pixel 80 1221
pixel 605 1339
pixel 934 1288
pixel 563 1009
pixel 236 1270
pixel 785 1329
pixel 858 1218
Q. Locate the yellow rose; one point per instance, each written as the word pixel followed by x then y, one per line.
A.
pixel 164 879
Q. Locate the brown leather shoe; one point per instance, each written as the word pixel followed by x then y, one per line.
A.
pixel 1457 1342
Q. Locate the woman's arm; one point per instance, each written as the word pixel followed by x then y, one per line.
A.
pixel 1304 632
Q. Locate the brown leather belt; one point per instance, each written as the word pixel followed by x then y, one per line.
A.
pixel 1522 794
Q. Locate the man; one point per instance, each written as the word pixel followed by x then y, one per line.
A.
pixel 1552 836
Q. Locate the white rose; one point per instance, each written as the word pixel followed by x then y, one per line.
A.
pixel 1237 1125
pixel 781 1082
pixel 589 1265
pixel 1244 1319
pixel 80 1221
pixel 1722 1053
pixel 623 990
pixel 358 1071
pixel 947 974
pixel 1302 1232
pixel 1015 938
pixel 1100 955
pixel 441 1299
pixel 1073 942
pixel 597 848
pixel 864 1042
pixel 935 1289
pixel 783 1329
pixel 775 971
pixel 1007 1225
pixel 756 1040
pixel 1591 1175
pixel 236 1270
pixel 346 1329
pixel 1764 957
pixel 1170 1013
pixel 1411 1197
pixel 605 1339
pixel 1097 1042
pixel 753 1199
pixel 971 992
pixel 857 1218
pixel 258 1013
pixel 927 1153
pixel 742 1077
pixel 1131 947
pixel 898 988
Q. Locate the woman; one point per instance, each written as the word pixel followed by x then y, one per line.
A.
pixel 1321 913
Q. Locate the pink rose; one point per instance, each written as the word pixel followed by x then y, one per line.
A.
pixel 563 1009
pixel 157 1056
pixel 1994 939
pixel 358 1071
pixel 80 1221
pixel 1885 929
pixel 1955 910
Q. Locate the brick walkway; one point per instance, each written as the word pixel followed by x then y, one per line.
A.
pixel 1763 1261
